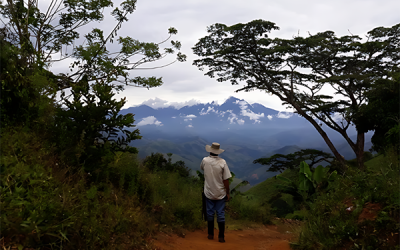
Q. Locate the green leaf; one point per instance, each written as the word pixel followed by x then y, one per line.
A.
pixel 333 176
pixel 318 174
pixel 64 236
pixel 54 235
pixel 306 170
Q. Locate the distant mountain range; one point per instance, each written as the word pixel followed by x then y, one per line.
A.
pixel 246 131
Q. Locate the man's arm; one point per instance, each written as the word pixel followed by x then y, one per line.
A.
pixel 226 184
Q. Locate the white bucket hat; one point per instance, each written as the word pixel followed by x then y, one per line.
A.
pixel 214 148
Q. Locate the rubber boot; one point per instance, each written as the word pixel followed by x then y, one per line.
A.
pixel 210 230
pixel 221 234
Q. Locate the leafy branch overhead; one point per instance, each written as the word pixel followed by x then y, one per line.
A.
pixel 280 162
pixel 302 70
pixel 54 35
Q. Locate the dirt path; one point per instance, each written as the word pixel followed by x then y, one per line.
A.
pixel 262 238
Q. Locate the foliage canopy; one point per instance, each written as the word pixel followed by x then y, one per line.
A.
pixel 302 70
pixel 280 162
pixel 381 114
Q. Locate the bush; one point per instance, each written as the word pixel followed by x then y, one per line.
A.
pixel 46 204
pixel 175 200
pixel 335 219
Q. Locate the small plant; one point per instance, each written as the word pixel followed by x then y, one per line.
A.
pixel 309 182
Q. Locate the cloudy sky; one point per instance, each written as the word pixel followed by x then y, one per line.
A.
pixel 184 83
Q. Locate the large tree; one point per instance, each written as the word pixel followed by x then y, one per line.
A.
pixel 35 38
pixel 382 114
pixel 38 38
pixel 51 35
pixel 280 162
pixel 323 77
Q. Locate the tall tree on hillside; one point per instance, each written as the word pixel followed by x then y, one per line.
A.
pixel 382 114
pixel 280 162
pixel 100 65
pixel 303 71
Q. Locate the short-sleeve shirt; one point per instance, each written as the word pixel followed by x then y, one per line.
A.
pixel 215 171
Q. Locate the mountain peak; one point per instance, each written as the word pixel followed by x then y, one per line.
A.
pixel 232 99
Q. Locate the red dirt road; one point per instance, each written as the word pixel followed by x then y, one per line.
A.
pixel 263 238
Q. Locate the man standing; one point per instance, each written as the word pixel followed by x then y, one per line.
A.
pixel 216 189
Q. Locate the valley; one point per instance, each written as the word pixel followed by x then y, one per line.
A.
pixel 246 131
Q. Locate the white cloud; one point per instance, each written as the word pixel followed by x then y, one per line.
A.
pixel 209 109
pixel 337 117
pixel 215 103
pixel 269 117
pixel 242 104
pixel 149 120
pixel 284 115
pixel 179 105
pixel 232 117
pixel 247 112
pixel 213 110
pixel 190 126
pixel 189 117
pixel 253 116
pixel 157 103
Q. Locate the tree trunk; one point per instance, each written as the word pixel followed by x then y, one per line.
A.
pixel 359 150
pixel 338 156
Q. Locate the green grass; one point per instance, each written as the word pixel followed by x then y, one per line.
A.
pixel 255 204
pixel 376 162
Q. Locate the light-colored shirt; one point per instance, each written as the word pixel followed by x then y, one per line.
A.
pixel 215 171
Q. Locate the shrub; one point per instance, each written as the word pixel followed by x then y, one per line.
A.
pixel 45 205
pixel 335 219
